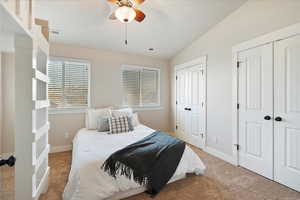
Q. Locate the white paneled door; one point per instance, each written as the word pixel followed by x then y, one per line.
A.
pixel 182 102
pixel 191 115
pixel 269 110
pixel 196 107
pixel 256 110
pixel 287 112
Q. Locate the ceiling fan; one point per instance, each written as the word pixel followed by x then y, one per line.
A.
pixel 127 11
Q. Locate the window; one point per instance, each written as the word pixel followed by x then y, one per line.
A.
pixel 140 86
pixel 69 83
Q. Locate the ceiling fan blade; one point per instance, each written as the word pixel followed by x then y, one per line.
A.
pixel 138 2
pixel 113 16
pixel 113 1
pixel 140 16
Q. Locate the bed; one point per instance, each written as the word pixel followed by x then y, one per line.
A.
pixel 90 150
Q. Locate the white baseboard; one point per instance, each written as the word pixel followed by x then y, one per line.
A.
pixel 53 149
pixel 221 155
pixel 57 149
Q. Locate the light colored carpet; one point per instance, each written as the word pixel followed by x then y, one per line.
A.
pixel 221 181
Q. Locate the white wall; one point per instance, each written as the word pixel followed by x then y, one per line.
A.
pixel 7 76
pixel 254 18
pixel 106 89
pixel 1 139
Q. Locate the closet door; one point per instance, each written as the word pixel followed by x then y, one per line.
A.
pixel 191 115
pixel 183 92
pixel 287 112
pixel 256 110
pixel 196 108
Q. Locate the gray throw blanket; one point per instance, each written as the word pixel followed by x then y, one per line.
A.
pixel 151 162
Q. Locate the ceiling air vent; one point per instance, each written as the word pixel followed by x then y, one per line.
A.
pixel 54 31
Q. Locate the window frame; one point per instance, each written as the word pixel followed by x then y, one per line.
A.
pixel 141 106
pixel 73 109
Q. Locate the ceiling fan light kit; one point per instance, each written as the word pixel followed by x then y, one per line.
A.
pixel 127 11
pixel 125 14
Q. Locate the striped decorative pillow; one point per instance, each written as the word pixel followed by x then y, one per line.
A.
pixel 118 124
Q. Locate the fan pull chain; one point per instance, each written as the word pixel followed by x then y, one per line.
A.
pixel 126 41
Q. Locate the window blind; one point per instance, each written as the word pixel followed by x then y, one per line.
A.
pixel 131 87
pixel 149 87
pixel 140 87
pixel 68 86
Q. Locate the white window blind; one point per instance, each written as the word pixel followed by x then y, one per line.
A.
pixel 140 86
pixel 69 83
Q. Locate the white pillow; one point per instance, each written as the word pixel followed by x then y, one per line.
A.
pixel 93 114
pixel 122 112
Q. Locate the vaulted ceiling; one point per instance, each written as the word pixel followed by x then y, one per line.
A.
pixel 170 25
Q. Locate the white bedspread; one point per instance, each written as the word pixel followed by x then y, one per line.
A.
pixel 87 181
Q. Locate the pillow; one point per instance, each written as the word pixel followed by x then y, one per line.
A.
pixel 102 124
pixel 135 120
pixel 118 124
pixel 130 122
pixel 122 112
pixel 93 114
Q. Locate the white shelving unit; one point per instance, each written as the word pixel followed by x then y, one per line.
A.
pixel 31 102
pixel 40 128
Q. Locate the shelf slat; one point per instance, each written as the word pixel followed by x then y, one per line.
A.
pixel 41 158
pixel 41 131
pixel 40 76
pixel 39 189
pixel 41 104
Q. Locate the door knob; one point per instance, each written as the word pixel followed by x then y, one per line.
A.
pixel 278 119
pixel 267 117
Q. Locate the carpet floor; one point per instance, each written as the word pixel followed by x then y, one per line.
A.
pixel 222 181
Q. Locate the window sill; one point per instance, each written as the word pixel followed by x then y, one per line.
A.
pixel 147 108
pixel 57 111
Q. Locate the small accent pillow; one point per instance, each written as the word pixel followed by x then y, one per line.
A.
pixel 130 122
pixel 118 125
pixel 92 116
pixel 135 120
pixel 103 124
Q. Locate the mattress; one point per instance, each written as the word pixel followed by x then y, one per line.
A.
pixel 91 148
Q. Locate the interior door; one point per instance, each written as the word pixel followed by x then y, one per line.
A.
pixel 287 112
pixel 190 111
pixel 196 108
pixel 256 110
pixel 182 92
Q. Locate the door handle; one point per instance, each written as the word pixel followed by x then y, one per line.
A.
pixel 188 109
pixel 267 117
pixel 10 161
pixel 278 119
